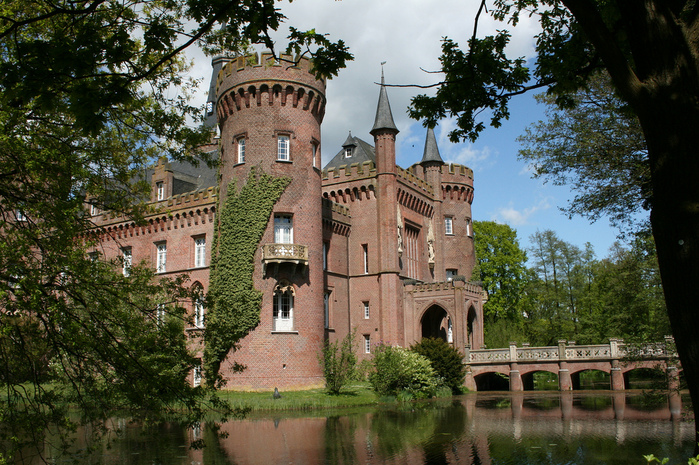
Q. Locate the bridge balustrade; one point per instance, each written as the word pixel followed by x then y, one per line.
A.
pixel 615 358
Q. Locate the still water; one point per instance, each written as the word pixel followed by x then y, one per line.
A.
pixel 479 428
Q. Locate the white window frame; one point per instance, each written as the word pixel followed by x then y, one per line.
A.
pixel 469 227
pixel 366 309
pixel 160 190
pixel 283 309
pixel 283 228
pixel 241 150
pixel 199 252
pixel 161 257
pixel 94 211
pixel 348 152
pixel 160 314
pixel 367 343
pixel 20 216
pixel 127 260
pixel 449 225
pixel 283 147
pixel 365 257
pixel 196 376
pixel 198 313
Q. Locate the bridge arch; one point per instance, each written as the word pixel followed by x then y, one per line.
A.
pixel 529 383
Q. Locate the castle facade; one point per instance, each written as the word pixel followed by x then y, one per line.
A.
pixel 358 245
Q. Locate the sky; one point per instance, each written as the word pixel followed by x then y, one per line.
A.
pixel 407 35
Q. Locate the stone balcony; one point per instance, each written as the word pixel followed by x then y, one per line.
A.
pixel 277 254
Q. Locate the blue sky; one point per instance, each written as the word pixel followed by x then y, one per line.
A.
pixel 407 34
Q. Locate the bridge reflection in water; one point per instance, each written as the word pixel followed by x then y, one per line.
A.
pixel 509 428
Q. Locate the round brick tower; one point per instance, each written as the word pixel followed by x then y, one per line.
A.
pixel 269 115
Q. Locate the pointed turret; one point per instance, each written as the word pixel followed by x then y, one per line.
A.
pixel 384 117
pixel 431 153
pixel 210 119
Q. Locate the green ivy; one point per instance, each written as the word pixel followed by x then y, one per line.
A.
pixel 233 302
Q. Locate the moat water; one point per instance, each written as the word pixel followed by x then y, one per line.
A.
pixel 479 428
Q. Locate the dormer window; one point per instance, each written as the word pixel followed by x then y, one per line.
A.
pixel 348 152
pixel 160 190
pixel 209 108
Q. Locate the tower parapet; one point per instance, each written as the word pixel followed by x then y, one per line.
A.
pixel 262 80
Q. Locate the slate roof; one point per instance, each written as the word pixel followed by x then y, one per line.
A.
pixel 431 153
pixel 384 117
pixel 361 152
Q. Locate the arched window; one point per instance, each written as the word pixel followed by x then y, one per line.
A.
pixel 283 307
pixel 198 305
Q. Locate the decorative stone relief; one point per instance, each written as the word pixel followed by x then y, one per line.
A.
pixel 430 245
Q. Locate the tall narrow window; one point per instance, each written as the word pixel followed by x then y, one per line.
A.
pixel 126 260
pixel 469 227
pixel 94 211
pixel 196 376
pixel 161 257
pixel 199 252
pixel 367 344
pixel 315 154
pixel 284 231
pixel 448 225
pixel 198 313
pixel 283 307
pixel 160 189
pixel 160 314
pixel 283 148
pixel 366 310
pixel 241 150
pixel 326 246
pixel 365 257
pixel 411 247
pixel 326 307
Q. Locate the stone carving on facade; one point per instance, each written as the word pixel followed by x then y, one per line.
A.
pixel 430 245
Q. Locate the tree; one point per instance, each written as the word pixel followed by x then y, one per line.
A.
pixel 87 104
pixel 447 361
pixel 501 268
pixel 597 147
pixel 339 362
pixel 650 51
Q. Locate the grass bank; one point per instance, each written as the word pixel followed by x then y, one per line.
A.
pixel 354 395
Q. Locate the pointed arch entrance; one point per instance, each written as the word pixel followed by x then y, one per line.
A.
pixel 435 323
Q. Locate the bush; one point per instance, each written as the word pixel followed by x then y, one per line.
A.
pixel 447 362
pixel 400 371
pixel 339 363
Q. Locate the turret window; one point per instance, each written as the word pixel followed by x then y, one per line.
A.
pixel 283 148
pixel 448 225
pixel 241 150
pixel 160 190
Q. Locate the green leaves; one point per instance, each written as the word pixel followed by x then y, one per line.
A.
pixel 234 303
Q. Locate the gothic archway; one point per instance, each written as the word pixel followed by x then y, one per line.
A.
pixel 472 328
pixel 435 323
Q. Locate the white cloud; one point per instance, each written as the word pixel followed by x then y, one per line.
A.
pixel 514 217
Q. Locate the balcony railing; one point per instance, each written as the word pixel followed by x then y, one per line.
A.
pixel 295 254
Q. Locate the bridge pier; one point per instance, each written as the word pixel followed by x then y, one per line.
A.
pixel 515 378
pixel 617 377
pixel 564 381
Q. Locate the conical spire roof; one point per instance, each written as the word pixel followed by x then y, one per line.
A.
pixel 384 117
pixel 211 119
pixel 431 153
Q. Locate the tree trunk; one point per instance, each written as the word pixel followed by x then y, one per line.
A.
pixel 672 133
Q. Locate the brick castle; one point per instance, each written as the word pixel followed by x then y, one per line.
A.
pixel 360 243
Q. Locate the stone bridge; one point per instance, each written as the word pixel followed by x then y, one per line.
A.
pixel 568 360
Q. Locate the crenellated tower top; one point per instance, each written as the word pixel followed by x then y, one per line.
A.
pixel 260 79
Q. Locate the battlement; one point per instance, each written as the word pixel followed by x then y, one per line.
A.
pixel 410 177
pixel 187 200
pixel 471 288
pixel 347 173
pixel 330 208
pixel 264 60
pixel 455 169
